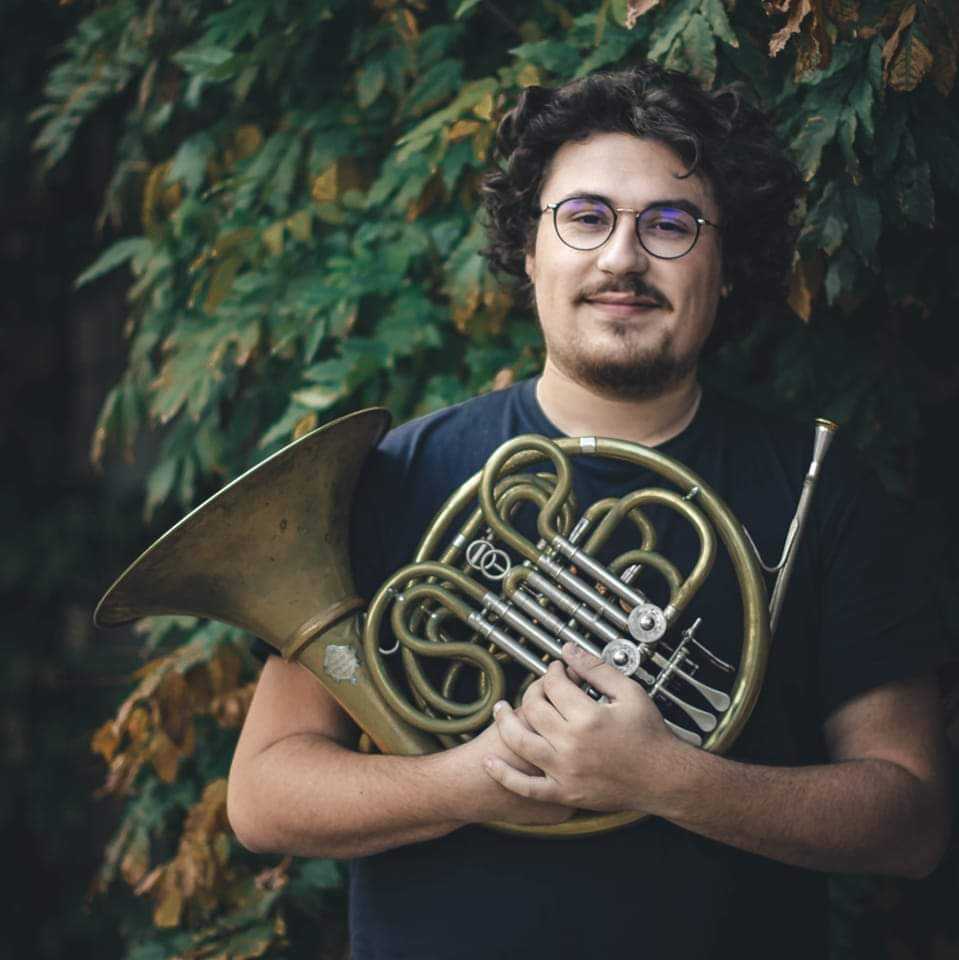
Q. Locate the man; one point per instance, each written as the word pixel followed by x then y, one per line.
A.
pixel 643 212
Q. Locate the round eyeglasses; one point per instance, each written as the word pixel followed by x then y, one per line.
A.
pixel 665 232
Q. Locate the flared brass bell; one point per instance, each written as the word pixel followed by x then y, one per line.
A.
pixel 269 553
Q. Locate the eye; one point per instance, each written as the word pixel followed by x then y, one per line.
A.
pixel 584 214
pixel 668 222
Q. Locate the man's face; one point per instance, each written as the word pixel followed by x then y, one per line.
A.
pixel 616 319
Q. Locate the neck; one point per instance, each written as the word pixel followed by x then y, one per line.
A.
pixel 579 411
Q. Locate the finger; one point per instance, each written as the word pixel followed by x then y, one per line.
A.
pixel 597 673
pixel 541 713
pixel 564 692
pixel 523 785
pixel 520 738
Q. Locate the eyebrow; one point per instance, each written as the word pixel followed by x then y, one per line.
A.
pixel 680 203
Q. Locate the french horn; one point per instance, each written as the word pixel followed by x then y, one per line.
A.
pixel 483 606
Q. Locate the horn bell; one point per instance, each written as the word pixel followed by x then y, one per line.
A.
pixel 268 550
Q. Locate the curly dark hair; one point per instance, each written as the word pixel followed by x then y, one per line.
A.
pixel 718 135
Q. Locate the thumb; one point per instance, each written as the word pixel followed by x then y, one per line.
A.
pixel 596 672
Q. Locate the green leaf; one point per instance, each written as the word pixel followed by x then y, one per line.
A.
pixel 190 161
pixel 715 12
pixel 671 24
pixel 696 51
pixel 816 132
pixel 202 59
pixel 864 216
pixel 465 8
pixel 552 55
pixel 370 83
pixel 847 143
pixel 160 484
pixel 912 187
pixel 118 253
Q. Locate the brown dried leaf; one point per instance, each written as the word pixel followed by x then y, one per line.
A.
pixel 105 741
pixel 843 11
pixel 804 287
pixel 305 424
pixel 911 64
pixel 136 858
pixel 230 709
pixel 892 44
pixel 276 878
pixel 637 8
pixel 798 10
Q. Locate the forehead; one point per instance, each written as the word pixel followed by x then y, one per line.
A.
pixel 630 171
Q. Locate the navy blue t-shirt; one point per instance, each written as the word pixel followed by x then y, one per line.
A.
pixel 854 617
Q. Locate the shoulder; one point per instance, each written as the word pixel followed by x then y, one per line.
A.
pixel 457 439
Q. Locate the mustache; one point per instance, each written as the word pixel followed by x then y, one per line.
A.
pixel 634 286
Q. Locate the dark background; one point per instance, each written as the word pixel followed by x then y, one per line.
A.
pixel 69 530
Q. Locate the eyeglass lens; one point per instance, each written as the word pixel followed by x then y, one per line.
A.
pixel 587 224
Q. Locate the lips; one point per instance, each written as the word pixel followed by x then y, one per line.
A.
pixel 620 301
pixel 624 301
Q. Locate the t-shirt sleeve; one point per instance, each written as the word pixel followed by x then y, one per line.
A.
pixel 880 621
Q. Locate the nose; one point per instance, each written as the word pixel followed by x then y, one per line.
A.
pixel 622 253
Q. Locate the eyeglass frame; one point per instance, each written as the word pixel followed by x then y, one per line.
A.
pixel 700 222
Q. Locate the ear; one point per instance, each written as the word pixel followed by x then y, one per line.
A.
pixel 530 266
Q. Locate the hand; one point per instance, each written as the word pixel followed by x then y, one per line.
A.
pixel 614 756
pixel 481 799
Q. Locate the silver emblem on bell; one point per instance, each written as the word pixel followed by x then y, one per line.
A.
pixel 622 655
pixel 647 623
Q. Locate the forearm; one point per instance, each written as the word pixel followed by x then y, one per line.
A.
pixel 856 816
pixel 312 797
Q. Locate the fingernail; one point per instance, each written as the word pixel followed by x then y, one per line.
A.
pixel 498 706
pixel 571 650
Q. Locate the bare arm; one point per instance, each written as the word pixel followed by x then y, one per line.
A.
pixel 297 785
pixel 881 805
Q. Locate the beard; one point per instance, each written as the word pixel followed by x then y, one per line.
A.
pixel 633 372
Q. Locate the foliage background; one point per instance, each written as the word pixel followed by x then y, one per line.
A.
pixel 291 205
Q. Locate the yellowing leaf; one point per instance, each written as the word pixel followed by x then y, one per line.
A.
pixel 247 140
pixel 300 225
pixel 463 129
pixel 482 141
pixel 272 238
pixel 304 425
pixel 805 285
pixel 221 283
pixel 484 108
pixel 168 910
pixel 528 76
pixel 325 186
